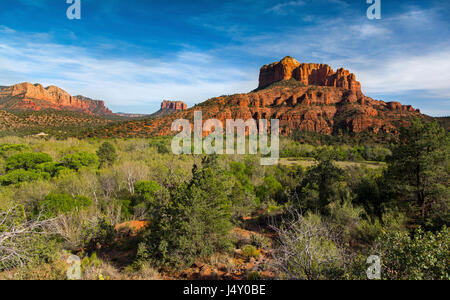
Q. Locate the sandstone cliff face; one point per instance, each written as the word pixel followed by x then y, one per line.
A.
pixel 27 96
pixel 173 105
pixel 282 70
pixel 308 74
pixel 324 110
pixel 170 107
pixel 95 106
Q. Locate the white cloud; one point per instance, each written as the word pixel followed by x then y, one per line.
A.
pixel 285 8
pixel 188 75
pixel 5 29
pixel 406 72
pixel 369 30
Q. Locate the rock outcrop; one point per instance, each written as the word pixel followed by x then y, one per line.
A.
pixel 282 70
pixel 170 107
pixel 173 105
pixel 308 98
pixel 308 74
pixel 27 96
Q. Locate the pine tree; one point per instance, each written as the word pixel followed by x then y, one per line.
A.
pixel 196 222
pixel 106 154
pixel 419 170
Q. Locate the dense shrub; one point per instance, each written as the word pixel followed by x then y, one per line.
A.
pixel 346 213
pixel 6 149
pixel 250 251
pixel 146 189
pixel 80 160
pixel 106 154
pixel 194 224
pixel 18 176
pixel 291 148
pixel 55 204
pixel 23 242
pixel 145 198
pixel 162 145
pixel 423 256
pixel 54 169
pixel 307 249
pixel 26 161
pixel 271 189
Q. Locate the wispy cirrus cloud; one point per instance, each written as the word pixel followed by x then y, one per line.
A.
pixel 285 7
pixel 5 29
pixel 125 83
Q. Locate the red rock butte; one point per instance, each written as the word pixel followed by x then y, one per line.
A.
pixel 173 105
pixel 304 97
pixel 27 96
pixel 308 74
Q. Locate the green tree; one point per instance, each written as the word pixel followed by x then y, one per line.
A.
pixel 80 160
pixel 322 185
pixel 271 189
pixel 196 221
pixel 18 176
pixel 418 171
pixel 243 196
pixel 56 204
pixel 51 168
pixel 107 154
pixel 146 191
pixel 26 161
pixel 7 149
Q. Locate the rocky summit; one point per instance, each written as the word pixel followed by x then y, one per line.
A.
pixel 173 105
pixel 34 97
pixel 169 107
pixel 308 74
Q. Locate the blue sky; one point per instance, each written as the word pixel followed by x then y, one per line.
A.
pixel 135 53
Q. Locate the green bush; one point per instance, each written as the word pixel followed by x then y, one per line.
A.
pixel 271 189
pixel 6 149
pixel 56 204
pixel 250 251
pixel 90 262
pixel 423 256
pixel 106 154
pixel 146 192
pixel 162 145
pixel 195 223
pixel 260 241
pixel 18 176
pixel 26 161
pixel 253 276
pixel 22 243
pixel 80 160
pixel 54 169
pixel 146 189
